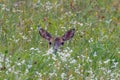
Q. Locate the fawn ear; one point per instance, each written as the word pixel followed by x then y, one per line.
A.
pixel 68 35
pixel 43 33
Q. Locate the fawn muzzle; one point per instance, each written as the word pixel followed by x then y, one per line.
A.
pixel 57 43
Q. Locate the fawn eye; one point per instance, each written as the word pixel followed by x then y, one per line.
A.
pixel 62 43
pixel 50 43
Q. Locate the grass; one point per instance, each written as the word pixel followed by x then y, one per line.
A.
pixel 93 53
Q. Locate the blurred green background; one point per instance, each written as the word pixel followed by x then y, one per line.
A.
pixel 93 53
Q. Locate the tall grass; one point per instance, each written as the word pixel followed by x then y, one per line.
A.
pixel 93 53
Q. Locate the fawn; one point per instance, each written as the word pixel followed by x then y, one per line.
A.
pixel 57 41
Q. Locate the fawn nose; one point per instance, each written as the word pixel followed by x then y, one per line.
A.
pixel 55 49
pixel 56 46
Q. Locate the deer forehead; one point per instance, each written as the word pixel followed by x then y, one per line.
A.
pixel 56 39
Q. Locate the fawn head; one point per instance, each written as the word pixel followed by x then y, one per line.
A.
pixel 56 41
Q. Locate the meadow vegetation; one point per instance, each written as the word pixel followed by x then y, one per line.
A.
pixel 92 54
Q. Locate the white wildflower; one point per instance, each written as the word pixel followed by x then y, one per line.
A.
pixel 24 37
pixel 39 74
pixel 31 48
pixel 36 49
pixel 23 61
pixel 26 71
pixel 108 21
pixel 29 66
pixel 73 61
pixel 63 75
pixel 54 57
pixel 90 40
pixel 19 64
pixel 115 65
pixel 50 51
pixel 77 70
pixel 107 61
pixel 95 54
pixel 71 77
